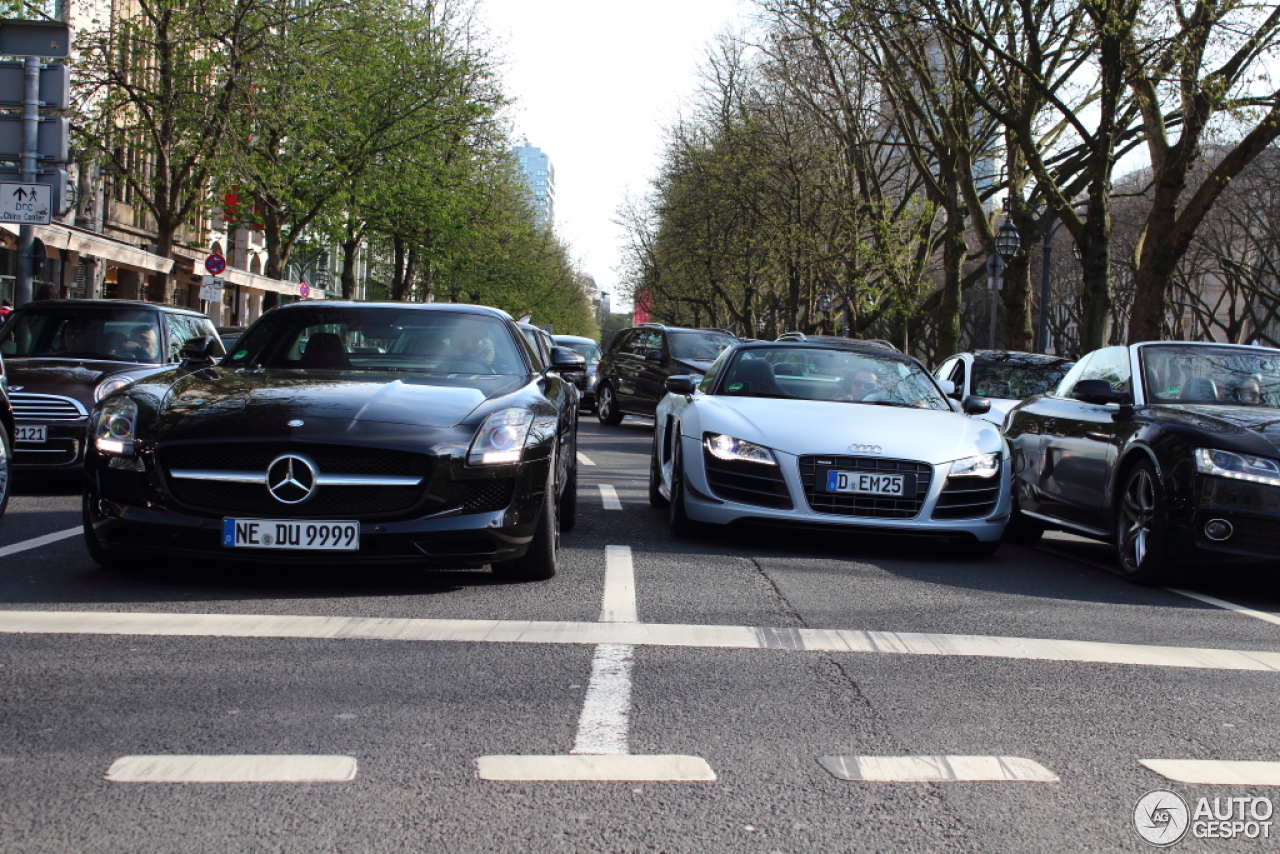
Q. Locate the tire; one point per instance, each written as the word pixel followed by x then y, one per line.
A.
pixel 973 549
pixel 681 524
pixel 541 559
pixel 1142 530
pixel 656 498
pixel 1022 530
pixel 607 406
pixel 102 557
pixel 6 468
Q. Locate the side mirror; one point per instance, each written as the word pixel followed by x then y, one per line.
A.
pixel 975 405
pixel 199 352
pixel 653 356
pixel 1097 391
pixel 565 359
pixel 682 384
pixel 948 387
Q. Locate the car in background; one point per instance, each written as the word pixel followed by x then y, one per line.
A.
pixel 1003 377
pixel 230 335
pixel 6 441
pixel 63 356
pixel 836 340
pixel 634 370
pixel 842 436
pixel 586 381
pixel 345 434
pixel 1169 450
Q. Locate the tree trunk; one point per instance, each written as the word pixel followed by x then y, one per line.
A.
pixel 349 249
pixel 410 271
pixel 953 254
pixel 397 273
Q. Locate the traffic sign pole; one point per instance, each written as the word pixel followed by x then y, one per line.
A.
pixel 30 147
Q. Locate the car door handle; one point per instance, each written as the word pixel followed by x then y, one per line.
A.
pixel 1097 436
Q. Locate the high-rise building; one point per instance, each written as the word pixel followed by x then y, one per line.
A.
pixel 541 177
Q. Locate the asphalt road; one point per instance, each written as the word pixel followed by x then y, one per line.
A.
pixel 754 654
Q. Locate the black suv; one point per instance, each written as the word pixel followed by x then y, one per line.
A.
pixel 633 373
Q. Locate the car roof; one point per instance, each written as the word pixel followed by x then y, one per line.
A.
pixel 666 328
pixel 1015 356
pixel 824 343
pixel 581 339
pixel 1202 344
pixel 836 341
pixel 113 303
pixel 462 308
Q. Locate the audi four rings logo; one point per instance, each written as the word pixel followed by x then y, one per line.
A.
pixel 865 449
pixel 291 479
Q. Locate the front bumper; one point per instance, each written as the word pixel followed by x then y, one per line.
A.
pixel 143 522
pixel 1252 510
pixel 62 452
pixel 703 504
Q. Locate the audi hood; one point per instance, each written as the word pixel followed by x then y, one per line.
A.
pixel 801 427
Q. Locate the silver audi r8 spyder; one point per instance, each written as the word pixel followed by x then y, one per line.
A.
pixel 842 435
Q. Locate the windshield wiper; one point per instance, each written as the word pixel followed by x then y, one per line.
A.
pixel 886 403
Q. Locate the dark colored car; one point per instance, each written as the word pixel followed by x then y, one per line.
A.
pixel 1003 377
pixel 65 355
pixel 585 381
pixel 633 373
pixel 230 335
pixel 344 433
pixel 1170 450
pixel 837 341
pixel 6 441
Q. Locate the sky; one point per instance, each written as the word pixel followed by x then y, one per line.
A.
pixel 595 83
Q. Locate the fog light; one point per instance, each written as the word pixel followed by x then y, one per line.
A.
pixel 1218 530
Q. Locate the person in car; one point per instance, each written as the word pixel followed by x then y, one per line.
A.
pixel 472 344
pixel 862 384
pixel 1249 392
pixel 78 336
pixel 143 344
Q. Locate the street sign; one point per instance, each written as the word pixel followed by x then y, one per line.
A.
pixel 304 290
pixel 52 138
pixel 56 179
pixel 35 38
pixel 215 263
pixel 25 203
pixel 211 288
pixel 55 85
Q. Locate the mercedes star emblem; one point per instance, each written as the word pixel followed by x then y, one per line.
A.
pixel 291 479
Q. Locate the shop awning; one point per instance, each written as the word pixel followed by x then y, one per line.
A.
pixel 83 242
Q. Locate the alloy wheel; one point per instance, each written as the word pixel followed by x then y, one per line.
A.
pixel 1137 511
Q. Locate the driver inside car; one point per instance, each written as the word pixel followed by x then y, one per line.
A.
pixel 860 386
pixel 471 344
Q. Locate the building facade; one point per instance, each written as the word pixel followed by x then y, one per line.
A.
pixel 541 178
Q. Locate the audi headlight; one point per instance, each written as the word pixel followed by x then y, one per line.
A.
pixel 106 387
pixel 115 426
pixel 501 437
pixel 983 465
pixel 1237 466
pixel 724 447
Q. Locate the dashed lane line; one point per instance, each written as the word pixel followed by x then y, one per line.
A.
pixel 1208 600
pixel 617 768
pixel 232 769
pixel 935 769
pixel 37 542
pixel 609 496
pixel 584 459
pixel 1216 772
pixel 635 634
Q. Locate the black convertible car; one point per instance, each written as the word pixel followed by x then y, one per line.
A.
pixel 1171 450
pixel 343 433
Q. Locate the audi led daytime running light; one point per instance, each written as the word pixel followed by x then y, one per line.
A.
pixel 501 438
pixel 983 465
pixel 724 447
pixel 114 426
pixel 109 386
pixel 1235 466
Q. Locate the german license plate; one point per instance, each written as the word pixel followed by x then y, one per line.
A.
pixel 866 483
pixel 31 434
pixel 290 534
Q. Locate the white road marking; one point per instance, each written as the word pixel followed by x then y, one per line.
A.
pixel 610 497
pixel 636 634
pixel 935 769
pixel 584 459
pixel 619 586
pixel 1229 606
pixel 1216 772
pixel 603 725
pixel 37 542
pixel 637 769
pixel 232 769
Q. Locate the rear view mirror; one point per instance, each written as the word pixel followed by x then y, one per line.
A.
pixel 565 359
pixel 199 352
pixel 948 387
pixel 975 405
pixel 681 384
pixel 653 356
pixel 1097 391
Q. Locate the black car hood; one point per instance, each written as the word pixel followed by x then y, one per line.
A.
pixel 699 365
pixel 74 378
pixel 1251 429
pixel 272 397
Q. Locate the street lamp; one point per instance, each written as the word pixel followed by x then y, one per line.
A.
pixel 1008 241
pixel 1047 224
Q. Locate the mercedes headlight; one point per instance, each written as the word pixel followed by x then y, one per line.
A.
pixel 115 426
pixel 983 465
pixel 501 437
pixel 724 447
pixel 106 387
pixel 1237 466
